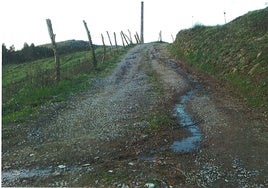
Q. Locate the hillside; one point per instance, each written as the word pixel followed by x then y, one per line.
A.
pixel 235 52
pixel 31 52
pixel 72 44
pixel 27 86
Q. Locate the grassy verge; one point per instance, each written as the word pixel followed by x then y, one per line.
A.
pixel 235 52
pixel 28 86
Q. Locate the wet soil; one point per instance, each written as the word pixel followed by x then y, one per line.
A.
pixel 120 132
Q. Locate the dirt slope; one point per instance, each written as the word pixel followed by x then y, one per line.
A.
pixel 120 132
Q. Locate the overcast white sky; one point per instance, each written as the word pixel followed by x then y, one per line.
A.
pixel 25 20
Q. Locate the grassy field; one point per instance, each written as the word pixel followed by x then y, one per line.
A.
pixel 235 52
pixel 28 86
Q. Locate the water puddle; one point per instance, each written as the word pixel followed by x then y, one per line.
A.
pixel 148 158
pixel 25 173
pixel 186 120
pixel 13 175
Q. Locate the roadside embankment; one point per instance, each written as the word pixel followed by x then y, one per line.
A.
pixel 235 53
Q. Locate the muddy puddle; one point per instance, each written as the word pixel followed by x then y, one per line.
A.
pixel 186 119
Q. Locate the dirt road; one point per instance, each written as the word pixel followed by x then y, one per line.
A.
pixel 122 132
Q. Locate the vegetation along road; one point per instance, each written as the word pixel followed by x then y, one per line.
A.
pixel 153 121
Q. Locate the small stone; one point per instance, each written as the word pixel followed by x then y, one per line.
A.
pixel 61 166
pixel 56 174
pixel 85 165
pixel 130 163
pixel 16 173
pixel 149 185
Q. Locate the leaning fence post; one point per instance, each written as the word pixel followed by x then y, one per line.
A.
pixel 104 48
pixel 122 39
pixel 115 42
pixel 54 46
pixel 122 33
pixel 137 40
pixel 109 41
pixel 91 45
pixel 138 37
pixel 127 38
pixel 130 38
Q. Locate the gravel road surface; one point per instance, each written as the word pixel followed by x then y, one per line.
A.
pixel 119 132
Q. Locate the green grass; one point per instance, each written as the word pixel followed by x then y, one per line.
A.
pixel 158 119
pixel 161 117
pixel 28 86
pixel 235 52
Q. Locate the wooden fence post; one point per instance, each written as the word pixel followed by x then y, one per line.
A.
pixel 54 46
pixel 130 38
pixel 142 19
pixel 127 38
pixel 160 36
pixel 138 37
pixel 91 45
pixel 124 36
pixel 104 48
pixel 109 41
pixel 122 39
pixel 115 42
pixel 137 40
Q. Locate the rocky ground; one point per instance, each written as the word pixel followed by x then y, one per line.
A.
pixel 120 132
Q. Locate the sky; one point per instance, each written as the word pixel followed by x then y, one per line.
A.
pixel 25 20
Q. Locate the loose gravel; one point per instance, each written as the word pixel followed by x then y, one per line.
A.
pixel 114 104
